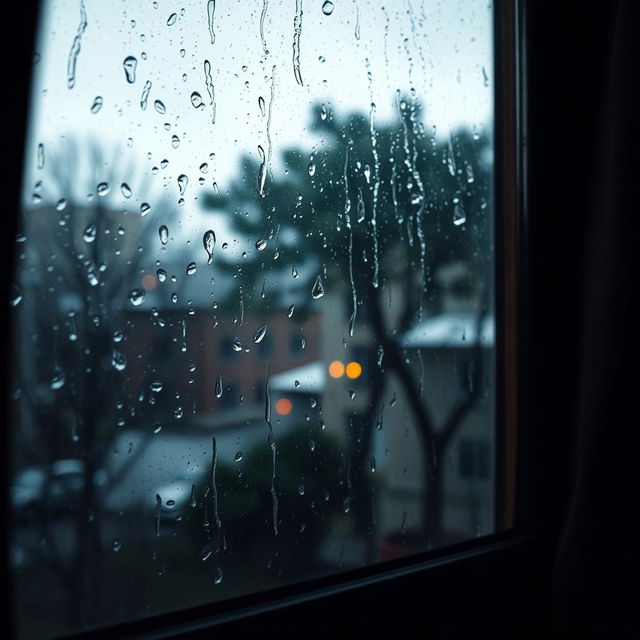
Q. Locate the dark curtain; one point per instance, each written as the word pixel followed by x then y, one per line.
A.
pixel 585 327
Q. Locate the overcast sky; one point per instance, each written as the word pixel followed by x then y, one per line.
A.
pixel 441 48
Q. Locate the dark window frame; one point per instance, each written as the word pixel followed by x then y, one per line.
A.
pixel 497 577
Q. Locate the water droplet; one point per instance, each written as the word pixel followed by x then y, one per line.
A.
pixel 102 189
pixel 159 106
pixel 367 173
pixel 129 65
pixel 211 11
pixel 58 380
pixel 323 112
pixel 296 383
pixel 317 291
pixel 485 77
pixel 209 243
pixel 372 465
pixel 301 489
pixel 157 427
pixel 183 181
pixel 290 310
pixel 145 94
pixel 218 387
pixel 117 545
pixel 90 233
pixel 156 386
pixel 312 167
pixel 236 344
pixel 238 456
pixel 175 141
pixel 352 394
pixel 61 205
pixel 118 361
pixel 171 20
pixel 297 30
pixel 470 176
pixel 459 216
pixel 145 207
pixel 163 232
pixel 125 189
pixel 206 553
pixel 204 167
pixel 261 244
pixel 261 105
pixel 136 297
pixel 327 7
pixel 162 275
pixel 260 333
pixel 294 271
pixel 191 268
pixel 96 105
pixel 218 576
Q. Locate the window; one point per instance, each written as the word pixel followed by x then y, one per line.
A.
pixel 258 188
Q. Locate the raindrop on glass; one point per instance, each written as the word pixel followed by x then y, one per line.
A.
pixel 145 207
pixel 136 297
pixel 40 154
pixel 218 387
pixel 159 106
pixel 96 105
pixel 459 216
pixel 183 181
pixel 125 189
pixel 317 291
pixel 102 189
pixel 57 382
pixel 260 333
pixel 261 244
pixel 209 243
pixel 129 65
pixel 118 361
pixel 171 20
pixel 90 233
pixel 163 232
pixel 196 100
pixel 191 268
pixel 327 7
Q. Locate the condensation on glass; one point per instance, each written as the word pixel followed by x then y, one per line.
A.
pixel 253 302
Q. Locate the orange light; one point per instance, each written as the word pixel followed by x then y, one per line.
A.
pixel 354 370
pixel 336 369
pixel 149 282
pixel 284 406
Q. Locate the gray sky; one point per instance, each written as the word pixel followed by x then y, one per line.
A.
pixel 442 48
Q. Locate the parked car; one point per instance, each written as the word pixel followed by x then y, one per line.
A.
pixel 54 490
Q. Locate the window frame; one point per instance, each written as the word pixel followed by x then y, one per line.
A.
pixel 498 577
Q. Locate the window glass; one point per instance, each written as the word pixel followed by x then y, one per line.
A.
pixel 253 305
